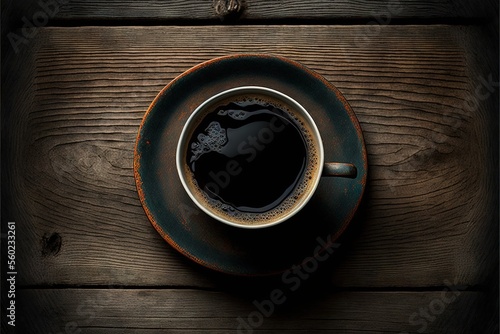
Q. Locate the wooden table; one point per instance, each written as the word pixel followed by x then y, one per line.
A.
pixel 422 253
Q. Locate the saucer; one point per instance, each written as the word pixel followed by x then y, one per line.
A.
pixel 226 248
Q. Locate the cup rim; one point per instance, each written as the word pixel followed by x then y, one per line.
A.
pixel 182 142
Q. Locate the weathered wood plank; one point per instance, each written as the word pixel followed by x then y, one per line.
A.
pixel 193 311
pixel 429 215
pixel 264 9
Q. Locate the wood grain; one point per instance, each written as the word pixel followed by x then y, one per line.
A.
pixel 269 10
pixel 194 311
pixel 428 214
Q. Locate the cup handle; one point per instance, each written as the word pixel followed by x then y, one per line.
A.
pixel 340 169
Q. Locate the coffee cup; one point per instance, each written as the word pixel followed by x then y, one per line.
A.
pixel 252 157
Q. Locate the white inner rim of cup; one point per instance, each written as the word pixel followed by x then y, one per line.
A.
pixel 184 141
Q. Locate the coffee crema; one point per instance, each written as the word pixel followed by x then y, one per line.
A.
pixel 251 158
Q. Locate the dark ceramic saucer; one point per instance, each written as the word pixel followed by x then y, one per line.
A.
pixel 226 248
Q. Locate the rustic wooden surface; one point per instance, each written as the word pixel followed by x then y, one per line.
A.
pixel 195 311
pixel 90 260
pixel 266 9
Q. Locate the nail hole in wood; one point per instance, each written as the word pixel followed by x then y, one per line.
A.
pixel 227 8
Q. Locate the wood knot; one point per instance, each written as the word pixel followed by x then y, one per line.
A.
pixel 51 244
pixel 227 8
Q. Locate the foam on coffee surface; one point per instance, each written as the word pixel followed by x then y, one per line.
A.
pixel 213 140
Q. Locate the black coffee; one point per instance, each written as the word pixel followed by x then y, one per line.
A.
pixel 249 157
